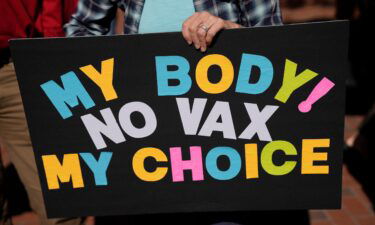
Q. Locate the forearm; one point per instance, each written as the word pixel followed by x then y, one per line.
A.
pixel 77 28
pixel 93 17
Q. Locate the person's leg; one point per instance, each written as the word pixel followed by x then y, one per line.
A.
pixel 15 137
pixel 4 220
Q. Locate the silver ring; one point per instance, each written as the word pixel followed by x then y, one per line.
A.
pixel 204 27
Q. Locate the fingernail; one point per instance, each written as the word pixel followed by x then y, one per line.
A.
pixel 189 42
pixel 203 49
pixel 197 46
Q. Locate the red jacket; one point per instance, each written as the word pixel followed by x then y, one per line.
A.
pixel 33 18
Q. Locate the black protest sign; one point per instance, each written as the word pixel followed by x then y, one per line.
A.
pixel 141 124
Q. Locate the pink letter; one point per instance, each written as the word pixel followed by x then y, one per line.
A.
pixel 179 165
pixel 321 89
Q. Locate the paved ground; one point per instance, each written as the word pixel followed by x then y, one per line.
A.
pixel 356 209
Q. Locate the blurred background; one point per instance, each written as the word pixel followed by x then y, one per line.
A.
pixel 358 172
pixel 358 179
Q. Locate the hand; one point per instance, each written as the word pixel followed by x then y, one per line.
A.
pixel 201 28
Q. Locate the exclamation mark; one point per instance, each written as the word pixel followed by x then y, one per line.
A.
pixel 321 89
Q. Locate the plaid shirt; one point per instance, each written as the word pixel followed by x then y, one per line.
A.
pixel 93 17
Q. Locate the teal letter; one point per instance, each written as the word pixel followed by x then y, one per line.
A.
pixel 234 161
pixel 265 76
pixel 163 75
pixel 98 168
pixel 72 91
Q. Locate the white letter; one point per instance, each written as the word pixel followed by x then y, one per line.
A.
pixel 148 115
pixel 220 109
pixel 96 127
pixel 191 118
pixel 258 122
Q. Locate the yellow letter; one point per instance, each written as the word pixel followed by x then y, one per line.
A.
pixel 309 156
pixel 70 168
pixel 103 79
pixel 291 82
pixel 251 158
pixel 138 164
pixel 267 154
pixel 227 71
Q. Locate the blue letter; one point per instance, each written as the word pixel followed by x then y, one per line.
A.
pixel 181 74
pixel 234 159
pixel 72 91
pixel 265 76
pixel 98 168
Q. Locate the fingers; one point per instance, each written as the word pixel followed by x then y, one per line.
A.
pixel 194 34
pixel 215 28
pixel 186 26
pixel 200 29
pixel 194 29
pixel 201 34
pixel 203 28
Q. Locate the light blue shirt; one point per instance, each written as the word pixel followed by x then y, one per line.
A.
pixel 165 15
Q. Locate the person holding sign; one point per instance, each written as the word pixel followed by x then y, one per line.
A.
pixel 199 21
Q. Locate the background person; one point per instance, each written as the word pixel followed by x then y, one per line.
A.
pixel 26 19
